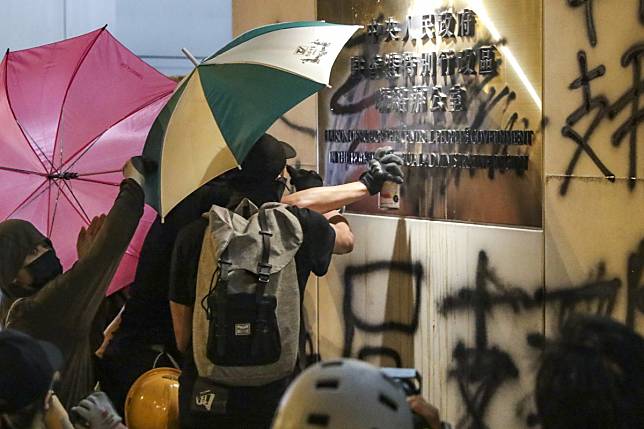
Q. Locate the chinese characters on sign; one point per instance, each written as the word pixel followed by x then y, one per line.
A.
pixel 424 27
pixel 435 81
pixel 408 65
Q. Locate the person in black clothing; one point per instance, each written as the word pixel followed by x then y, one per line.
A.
pixel 591 376
pixel 42 301
pixel 144 333
pixel 253 407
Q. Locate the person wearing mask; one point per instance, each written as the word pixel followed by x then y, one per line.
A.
pixel 142 334
pixel 259 181
pixel 42 301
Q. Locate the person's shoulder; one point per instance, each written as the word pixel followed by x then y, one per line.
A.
pixel 314 224
pixel 307 217
pixel 193 230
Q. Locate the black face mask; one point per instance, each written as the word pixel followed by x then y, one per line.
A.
pixel 44 269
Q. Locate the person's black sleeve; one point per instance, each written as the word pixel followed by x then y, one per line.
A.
pixel 318 242
pixel 185 263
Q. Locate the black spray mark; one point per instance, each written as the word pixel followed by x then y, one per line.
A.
pixel 590 21
pixel 352 321
pixel 633 57
pixel 589 103
pixel 481 370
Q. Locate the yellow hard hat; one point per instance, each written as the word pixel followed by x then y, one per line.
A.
pixel 153 400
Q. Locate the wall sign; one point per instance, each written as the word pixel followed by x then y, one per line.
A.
pixel 455 88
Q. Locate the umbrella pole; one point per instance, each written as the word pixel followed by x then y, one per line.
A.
pixel 191 57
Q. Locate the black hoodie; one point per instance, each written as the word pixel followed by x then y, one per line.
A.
pixel 63 310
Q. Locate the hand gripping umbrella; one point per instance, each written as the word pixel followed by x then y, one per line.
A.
pixel 229 100
pixel 71 114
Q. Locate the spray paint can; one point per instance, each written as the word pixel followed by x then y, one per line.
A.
pixel 389 196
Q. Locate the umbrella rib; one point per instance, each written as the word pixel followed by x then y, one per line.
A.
pixel 94 140
pixel 100 172
pixel 80 212
pixel 50 225
pixel 100 182
pixel 69 85
pixel 48 208
pixel 86 148
pixel 33 140
pixel 80 206
pixel 6 90
pixel 23 202
pixel 18 170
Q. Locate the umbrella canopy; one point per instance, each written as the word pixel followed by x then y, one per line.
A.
pixel 220 109
pixel 71 114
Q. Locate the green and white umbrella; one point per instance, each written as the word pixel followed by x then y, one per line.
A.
pixel 231 98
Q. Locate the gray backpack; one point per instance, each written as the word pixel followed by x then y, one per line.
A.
pixel 246 315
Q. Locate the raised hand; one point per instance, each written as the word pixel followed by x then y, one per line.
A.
pixel 385 166
pixel 87 236
pixel 303 179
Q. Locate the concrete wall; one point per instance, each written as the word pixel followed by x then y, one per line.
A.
pixel 155 30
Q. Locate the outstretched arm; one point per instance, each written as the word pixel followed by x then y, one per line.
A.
pixel 73 298
pixel 327 198
pixel 385 166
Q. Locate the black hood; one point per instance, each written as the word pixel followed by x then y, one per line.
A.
pixel 17 239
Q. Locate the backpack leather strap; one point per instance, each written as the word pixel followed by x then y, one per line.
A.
pixel 222 297
pixel 263 268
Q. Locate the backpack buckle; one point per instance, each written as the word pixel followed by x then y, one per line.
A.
pixel 264 272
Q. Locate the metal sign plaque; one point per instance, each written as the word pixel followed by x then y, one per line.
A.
pixel 455 88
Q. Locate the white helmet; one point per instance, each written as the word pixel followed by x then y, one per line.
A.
pixel 342 394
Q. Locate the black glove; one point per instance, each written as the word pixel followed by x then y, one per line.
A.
pixel 97 412
pixel 138 167
pixel 385 166
pixel 303 179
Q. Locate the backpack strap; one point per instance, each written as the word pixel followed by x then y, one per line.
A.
pixel 263 268
pixel 222 297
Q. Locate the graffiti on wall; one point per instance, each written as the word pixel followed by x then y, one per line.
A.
pixel 480 370
pixel 599 108
pixel 353 322
pixel 484 368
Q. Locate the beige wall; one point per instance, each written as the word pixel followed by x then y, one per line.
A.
pixel 591 234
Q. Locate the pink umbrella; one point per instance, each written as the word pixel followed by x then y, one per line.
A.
pixel 71 113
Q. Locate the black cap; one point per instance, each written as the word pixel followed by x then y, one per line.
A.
pixel 266 160
pixel 27 368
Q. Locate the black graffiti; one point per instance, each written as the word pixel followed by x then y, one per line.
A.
pixel 482 369
pixel 352 321
pixel 632 57
pixel 346 89
pixel 589 103
pixel 367 351
pixel 600 105
pixel 590 21
pixel 597 297
pixel 300 128
pixel 635 289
